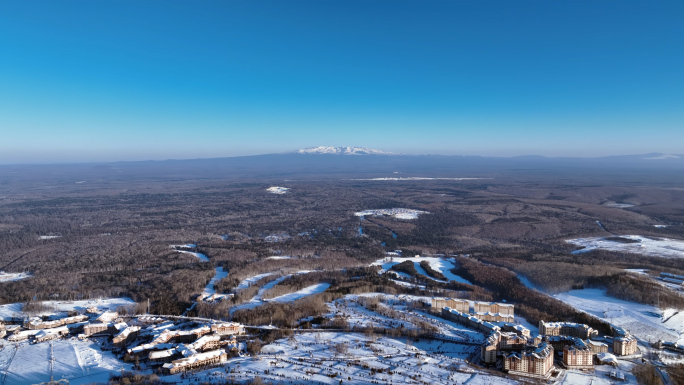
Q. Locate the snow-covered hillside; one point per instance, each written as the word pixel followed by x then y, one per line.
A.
pixel 329 150
pixel 637 244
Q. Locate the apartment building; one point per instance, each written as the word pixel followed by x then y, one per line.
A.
pixel 460 305
pixel 597 347
pixel 228 328
pixel 578 357
pixel 195 361
pixel 567 329
pixel 537 362
pixel 625 346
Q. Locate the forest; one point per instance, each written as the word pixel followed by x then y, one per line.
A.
pixel 116 237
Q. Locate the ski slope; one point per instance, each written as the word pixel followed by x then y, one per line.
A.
pixel 442 265
pixel 644 321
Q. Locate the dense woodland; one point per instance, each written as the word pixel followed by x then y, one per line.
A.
pixel 113 237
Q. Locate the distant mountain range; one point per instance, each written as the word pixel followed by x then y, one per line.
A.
pixel 357 163
pixel 329 150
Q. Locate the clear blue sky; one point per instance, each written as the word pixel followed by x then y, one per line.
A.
pixel 124 80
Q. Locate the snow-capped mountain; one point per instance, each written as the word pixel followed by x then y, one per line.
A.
pixel 659 156
pixel 342 151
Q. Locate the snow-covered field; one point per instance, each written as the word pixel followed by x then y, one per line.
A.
pixel 81 362
pixel 12 310
pixel 277 190
pixel 9 277
pixel 314 358
pixel 398 213
pixel 657 247
pixel 600 375
pixel 646 322
pixel 442 265
pixel 355 314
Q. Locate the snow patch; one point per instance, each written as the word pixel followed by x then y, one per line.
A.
pixel 618 205
pixel 277 190
pixel 200 256
pixel 44 237
pixel 10 277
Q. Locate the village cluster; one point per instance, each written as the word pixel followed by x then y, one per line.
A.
pixel 518 352
pixel 173 344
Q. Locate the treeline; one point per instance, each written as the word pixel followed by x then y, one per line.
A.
pixel 246 269
pixel 406 267
pixel 556 277
pixel 284 314
pixel 530 304
pixel 353 281
pixel 555 273
pixel 373 304
pixel 300 281
pixel 637 289
pixel 432 272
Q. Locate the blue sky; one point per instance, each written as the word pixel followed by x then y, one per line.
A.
pixel 133 80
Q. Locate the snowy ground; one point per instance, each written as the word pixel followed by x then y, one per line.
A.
pixel 600 375
pixel 9 277
pixel 646 322
pixel 442 265
pixel 399 303
pixel 14 309
pixel 658 247
pixel 81 362
pixel 312 358
pixel 277 190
